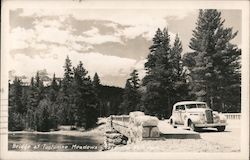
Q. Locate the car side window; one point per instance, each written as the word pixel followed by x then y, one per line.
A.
pixel 180 108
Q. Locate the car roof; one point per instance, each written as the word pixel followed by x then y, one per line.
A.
pixel 188 102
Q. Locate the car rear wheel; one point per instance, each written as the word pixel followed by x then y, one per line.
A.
pixel 221 128
pixel 173 123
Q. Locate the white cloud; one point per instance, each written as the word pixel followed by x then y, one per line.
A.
pixel 137 22
pixel 20 38
pixel 93 62
pixel 45 33
pixel 52 34
pixel 48 23
pixel 107 65
pixel 39 46
pixel 143 22
pixel 94 37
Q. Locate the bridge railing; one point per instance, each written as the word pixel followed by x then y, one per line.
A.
pixel 121 120
pixel 136 126
pixel 233 116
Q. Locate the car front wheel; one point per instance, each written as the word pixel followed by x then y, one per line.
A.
pixel 192 126
pixel 221 128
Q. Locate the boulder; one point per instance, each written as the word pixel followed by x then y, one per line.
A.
pixel 154 133
pixel 113 135
pixel 115 141
pixel 146 132
pixel 146 120
pixel 136 113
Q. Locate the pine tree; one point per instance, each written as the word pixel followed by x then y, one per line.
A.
pixel 39 87
pixel 68 75
pixel 214 61
pixel 42 115
pixel 176 53
pixel 96 80
pixel 131 96
pixel 17 103
pixel 53 89
pixel 17 109
pixel 158 82
pixel 181 87
pixel 97 86
pixel 35 95
pixel 65 98
pixel 165 77
pixel 85 98
pixel 151 58
pixel 134 79
pixel 126 103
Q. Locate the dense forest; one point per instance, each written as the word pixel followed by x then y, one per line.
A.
pixel 210 73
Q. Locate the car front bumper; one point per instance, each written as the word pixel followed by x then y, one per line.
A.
pixel 210 125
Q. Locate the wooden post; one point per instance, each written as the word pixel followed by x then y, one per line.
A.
pixel 111 121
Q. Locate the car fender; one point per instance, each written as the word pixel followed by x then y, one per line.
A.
pixel 186 121
pixel 171 119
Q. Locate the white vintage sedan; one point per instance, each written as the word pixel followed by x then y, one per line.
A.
pixel 196 115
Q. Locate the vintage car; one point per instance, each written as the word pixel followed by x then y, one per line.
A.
pixel 196 115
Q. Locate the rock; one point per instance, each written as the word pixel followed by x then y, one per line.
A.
pixel 110 131
pixel 155 133
pixel 115 141
pixel 135 114
pixel 146 120
pixel 113 135
pixel 145 132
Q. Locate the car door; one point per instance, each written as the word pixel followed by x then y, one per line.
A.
pixel 182 113
pixel 177 114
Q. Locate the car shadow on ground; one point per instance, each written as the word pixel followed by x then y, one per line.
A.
pixel 210 130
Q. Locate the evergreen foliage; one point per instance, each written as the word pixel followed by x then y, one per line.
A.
pixel 131 96
pixel 65 97
pixel 214 63
pixel 164 81
pixel 85 99
pixel 53 89
pixel 96 81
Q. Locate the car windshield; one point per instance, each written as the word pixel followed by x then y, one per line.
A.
pixel 190 106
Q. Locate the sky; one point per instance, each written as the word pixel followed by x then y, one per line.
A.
pixel 109 42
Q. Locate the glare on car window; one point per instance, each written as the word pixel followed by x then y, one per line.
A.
pixel 201 106
pixel 189 106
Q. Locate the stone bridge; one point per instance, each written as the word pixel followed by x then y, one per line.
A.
pixel 136 126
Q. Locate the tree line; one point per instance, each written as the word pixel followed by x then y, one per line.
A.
pixel 210 73
pixel 72 100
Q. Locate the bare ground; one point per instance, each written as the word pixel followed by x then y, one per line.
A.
pixel 211 141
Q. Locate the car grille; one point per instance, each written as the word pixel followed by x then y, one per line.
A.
pixel 209 116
